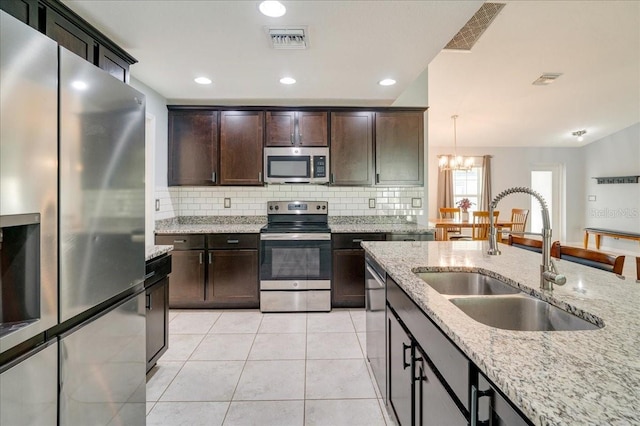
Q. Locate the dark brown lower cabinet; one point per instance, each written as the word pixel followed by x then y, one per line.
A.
pixel 157 308
pixel 348 269
pixel 400 377
pixel 233 279
pixel 187 280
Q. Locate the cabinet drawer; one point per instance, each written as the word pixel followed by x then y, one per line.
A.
pixel 448 360
pixel 181 241
pixel 232 241
pixel 352 241
pixel 157 268
pixel 410 237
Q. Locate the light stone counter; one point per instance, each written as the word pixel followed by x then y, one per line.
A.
pixel 156 251
pixel 204 228
pixel 555 378
pixel 399 228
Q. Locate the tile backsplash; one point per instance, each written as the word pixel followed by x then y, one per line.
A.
pixel 251 201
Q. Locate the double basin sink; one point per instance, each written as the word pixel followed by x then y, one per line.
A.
pixel 497 304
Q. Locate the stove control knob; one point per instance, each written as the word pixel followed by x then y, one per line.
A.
pixel 324 207
pixel 277 207
pixel 318 207
pixel 295 284
pixel 270 207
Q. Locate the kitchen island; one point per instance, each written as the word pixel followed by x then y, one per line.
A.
pixel 553 378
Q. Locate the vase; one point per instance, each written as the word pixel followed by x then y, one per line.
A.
pixel 465 216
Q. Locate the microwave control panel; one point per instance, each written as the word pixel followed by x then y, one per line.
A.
pixel 319 166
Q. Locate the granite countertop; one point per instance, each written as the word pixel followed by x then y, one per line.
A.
pixel 156 251
pixel 217 228
pixel 380 227
pixel 556 377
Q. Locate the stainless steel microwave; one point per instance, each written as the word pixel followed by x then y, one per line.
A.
pixel 296 165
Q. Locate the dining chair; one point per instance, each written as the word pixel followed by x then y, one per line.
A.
pixel 592 258
pixel 518 223
pixel 525 243
pixel 453 232
pixel 638 268
pixel 480 225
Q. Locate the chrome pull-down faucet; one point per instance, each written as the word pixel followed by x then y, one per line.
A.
pixel 548 272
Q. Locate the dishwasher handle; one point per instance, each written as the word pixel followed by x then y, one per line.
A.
pixel 375 275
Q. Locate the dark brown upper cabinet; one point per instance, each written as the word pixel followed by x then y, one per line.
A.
pixel 70 36
pixel 24 10
pixel 193 148
pixel 296 128
pixel 241 142
pixel 352 148
pixel 399 148
pixel 113 64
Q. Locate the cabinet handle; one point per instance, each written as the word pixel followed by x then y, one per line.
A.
pixel 357 240
pixel 200 257
pixel 149 302
pixel 233 241
pixel 475 399
pixel 291 138
pixel 210 259
pixel 405 364
pixel 259 176
pixel 179 241
pixel 300 138
pixel 332 179
pixel 213 177
pixel 421 378
pixel 377 177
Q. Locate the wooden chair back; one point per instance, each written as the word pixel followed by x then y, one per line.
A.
pixel 525 243
pixel 451 213
pixel 519 219
pixel 593 258
pixel 638 268
pixel 480 225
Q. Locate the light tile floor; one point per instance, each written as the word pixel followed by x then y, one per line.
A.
pixel 249 368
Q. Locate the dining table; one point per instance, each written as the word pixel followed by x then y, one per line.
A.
pixel 441 226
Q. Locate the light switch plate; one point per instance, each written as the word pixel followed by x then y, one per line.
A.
pixel 157 205
pixel 227 203
pixel 416 202
pixel 372 203
pixel 592 198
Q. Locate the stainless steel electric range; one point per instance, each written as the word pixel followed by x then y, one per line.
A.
pixel 295 257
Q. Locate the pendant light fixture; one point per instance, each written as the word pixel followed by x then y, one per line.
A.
pixel 454 162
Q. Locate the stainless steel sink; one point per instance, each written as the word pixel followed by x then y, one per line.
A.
pixel 465 283
pixel 521 313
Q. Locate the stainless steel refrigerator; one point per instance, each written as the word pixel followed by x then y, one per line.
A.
pixel 96 345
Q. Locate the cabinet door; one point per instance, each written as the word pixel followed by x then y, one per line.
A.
pixel 280 128
pixel 399 148
pixel 70 36
pixel 233 279
pixel 241 136
pixel 432 401
pixel 157 321
pixel 113 64
pixel 193 147
pixel 24 10
pixel 187 279
pixel 352 148
pixel 312 128
pixel 400 371
pixel 348 279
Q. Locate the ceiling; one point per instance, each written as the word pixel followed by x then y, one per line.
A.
pixel 354 44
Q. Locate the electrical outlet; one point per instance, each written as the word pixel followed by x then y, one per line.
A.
pixel 157 205
pixel 416 202
pixel 227 203
pixel 372 203
pixel 592 198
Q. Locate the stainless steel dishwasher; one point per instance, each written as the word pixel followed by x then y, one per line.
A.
pixel 376 319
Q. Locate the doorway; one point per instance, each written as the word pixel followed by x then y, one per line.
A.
pixel 547 180
pixel 149 177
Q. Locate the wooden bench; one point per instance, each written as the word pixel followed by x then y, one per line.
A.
pixel 599 232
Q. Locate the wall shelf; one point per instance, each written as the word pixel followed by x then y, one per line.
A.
pixel 617 179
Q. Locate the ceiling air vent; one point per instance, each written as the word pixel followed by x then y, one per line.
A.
pixel 546 78
pixel 473 29
pixel 288 38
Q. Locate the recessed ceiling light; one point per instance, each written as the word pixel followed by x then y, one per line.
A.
pixel 387 82
pixel 202 80
pixel 287 80
pixel 273 9
pixel 79 85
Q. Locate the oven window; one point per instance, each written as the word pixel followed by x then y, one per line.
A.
pixel 295 262
pixel 285 166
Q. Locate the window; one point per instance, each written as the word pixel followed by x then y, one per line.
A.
pixel 467 185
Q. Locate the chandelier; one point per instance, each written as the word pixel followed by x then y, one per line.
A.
pixel 455 161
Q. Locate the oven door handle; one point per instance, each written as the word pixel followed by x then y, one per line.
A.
pixel 295 237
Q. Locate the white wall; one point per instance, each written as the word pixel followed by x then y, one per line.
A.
pixel 512 167
pixel 616 206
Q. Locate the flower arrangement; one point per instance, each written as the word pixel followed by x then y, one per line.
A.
pixel 464 204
